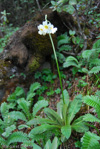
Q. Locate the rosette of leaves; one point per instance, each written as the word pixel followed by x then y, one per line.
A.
pixel 62 122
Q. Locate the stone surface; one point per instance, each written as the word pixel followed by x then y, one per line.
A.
pixel 27 49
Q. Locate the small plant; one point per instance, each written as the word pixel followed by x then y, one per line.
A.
pixel 16 114
pixel 62 122
pixel 89 60
pixel 90 140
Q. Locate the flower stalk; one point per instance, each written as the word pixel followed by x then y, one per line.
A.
pixel 48 28
pixel 57 65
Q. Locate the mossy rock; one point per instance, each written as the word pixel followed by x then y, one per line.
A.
pixel 27 48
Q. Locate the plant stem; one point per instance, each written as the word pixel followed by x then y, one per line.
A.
pixel 57 65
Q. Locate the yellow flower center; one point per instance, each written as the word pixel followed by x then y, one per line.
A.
pixel 41 29
pixel 46 27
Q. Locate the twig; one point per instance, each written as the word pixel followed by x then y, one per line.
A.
pixel 38 5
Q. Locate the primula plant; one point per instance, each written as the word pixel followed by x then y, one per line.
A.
pixel 48 28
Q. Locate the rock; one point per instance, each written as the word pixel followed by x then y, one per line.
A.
pixel 27 49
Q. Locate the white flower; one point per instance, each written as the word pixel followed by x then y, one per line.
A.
pixel 52 29
pixel 41 30
pixel 46 28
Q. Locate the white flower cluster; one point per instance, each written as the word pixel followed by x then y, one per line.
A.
pixel 46 28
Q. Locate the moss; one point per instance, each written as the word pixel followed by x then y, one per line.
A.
pixel 4 71
pixel 34 63
pixel 86 31
pixel 40 47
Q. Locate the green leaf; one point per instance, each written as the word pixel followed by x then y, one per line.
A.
pixel 30 96
pixel 59 108
pixel 72 2
pixel 4 109
pixel 79 125
pixel 66 97
pixel 96 45
pixel 70 9
pixel 90 140
pixel 53 116
pixel 17 115
pixel 48 145
pixel 19 91
pixel 12 97
pixel 54 144
pixel 24 105
pixel 94 102
pixel 65 48
pixel 71 61
pixel 74 107
pixel 39 105
pixel 17 137
pixel 90 118
pixel 39 120
pixel 95 70
pixel 85 70
pixel 63 39
pixel 34 87
pixel 72 33
pixel 57 91
pixel 86 54
pixel 66 131
pixel 2 141
pixel 23 126
pixel 41 129
pixel 8 131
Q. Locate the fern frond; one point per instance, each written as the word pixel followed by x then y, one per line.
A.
pixel 95 70
pixel 34 87
pixel 2 141
pixel 29 144
pixel 8 131
pixel 65 48
pixel 63 39
pixel 97 93
pixel 24 105
pixel 53 116
pixel 90 118
pixel 26 144
pixel 4 109
pixel 96 45
pixel 95 62
pixel 17 115
pixel 23 126
pixel 94 102
pixel 71 61
pixel 90 140
pixel 86 54
pixel 30 96
pixel 38 106
pixel 12 97
pixel 17 137
pixel 19 92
